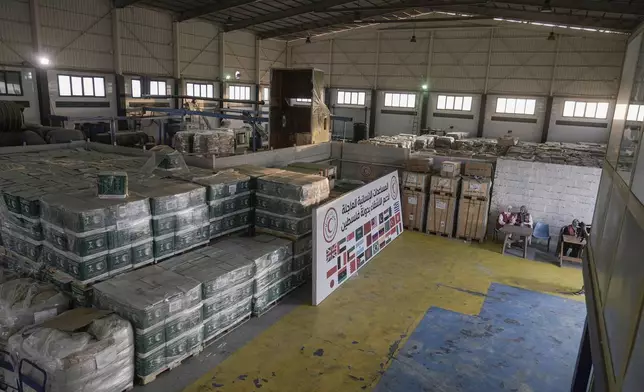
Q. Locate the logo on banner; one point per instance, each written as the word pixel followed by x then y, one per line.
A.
pixel 393 188
pixel 366 171
pixel 330 225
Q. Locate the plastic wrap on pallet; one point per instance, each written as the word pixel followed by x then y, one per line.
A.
pixel 216 267
pixel 271 275
pixel 170 196
pixel 99 360
pixel 302 245
pixel 307 189
pixel 25 302
pixel 302 260
pixel 226 319
pixel 263 250
pixel 220 207
pixel 216 142
pixel 224 184
pixel 282 225
pixel 165 161
pixel 263 300
pixel 183 141
pixel 169 354
pixel 228 298
pixel 302 276
pixel 230 223
pixel 281 206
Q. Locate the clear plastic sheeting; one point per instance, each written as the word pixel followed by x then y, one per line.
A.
pixel 216 142
pixel 224 184
pixel 165 161
pixel 99 360
pixel 306 189
pixel 26 301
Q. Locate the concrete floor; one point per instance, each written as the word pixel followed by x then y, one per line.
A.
pixel 426 287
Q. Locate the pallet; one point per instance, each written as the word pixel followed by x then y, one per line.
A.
pixel 470 239
pixel 414 189
pixel 440 193
pixel 144 380
pixel 274 303
pixel 436 233
pixel 412 229
pixel 476 198
pixel 226 331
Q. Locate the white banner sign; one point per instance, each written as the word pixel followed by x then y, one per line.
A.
pixel 351 230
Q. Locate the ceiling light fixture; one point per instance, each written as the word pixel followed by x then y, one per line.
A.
pixel 308 39
pixel 413 35
pixel 546 8
pixel 552 36
pixel 44 60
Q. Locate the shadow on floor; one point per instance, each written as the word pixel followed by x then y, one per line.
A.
pixel 536 251
pixel 522 340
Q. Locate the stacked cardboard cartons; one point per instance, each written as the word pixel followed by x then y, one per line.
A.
pixel 415 184
pixel 443 190
pixel 474 203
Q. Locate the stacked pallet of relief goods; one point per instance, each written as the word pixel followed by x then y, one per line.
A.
pixel 179 215
pixel 302 260
pixel 226 286
pixel 90 239
pixel 165 310
pixel 255 172
pixel 272 258
pixel 415 184
pixel 474 204
pixel 229 202
pixel 321 169
pixel 285 202
pixel 216 142
pixel 444 189
pixel 80 350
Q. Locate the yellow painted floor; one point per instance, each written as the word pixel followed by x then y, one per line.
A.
pixel 347 342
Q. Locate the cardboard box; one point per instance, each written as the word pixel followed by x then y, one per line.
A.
pixel 472 219
pixel 507 141
pixel 478 169
pixel 415 181
pixel 414 209
pixel 419 164
pixel 476 187
pixel 450 169
pixel 441 213
pixel 445 185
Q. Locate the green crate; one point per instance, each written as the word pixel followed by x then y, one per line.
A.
pixel 302 276
pixel 12 201
pixel 190 238
pixel 119 260
pixel 82 295
pixel 223 320
pixel 31 229
pixel 281 206
pixel 55 259
pixel 112 185
pixel 55 236
pixel 283 224
pixel 264 300
pixel 30 204
pixel 183 345
pixel 195 216
pixel 127 233
pixel 150 364
pixel 149 339
pixel 182 323
pixel 230 222
pixel 272 275
pixel 302 245
pixel 224 184
pixel 221 207
pixel 87 269
pixel 142 253
pixel 302 260
pixel 227 299
pixel 162 225
pixel 163 246
pixel 88 245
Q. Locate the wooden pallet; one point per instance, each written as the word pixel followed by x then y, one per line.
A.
pixel 144 380
pixel 414 188
pixel 412 229
pixel 439 234
pixel 440 193
pixel 476 198
pixel 226 331
pixel 470 239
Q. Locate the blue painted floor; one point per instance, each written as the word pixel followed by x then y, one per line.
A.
pixel 522 341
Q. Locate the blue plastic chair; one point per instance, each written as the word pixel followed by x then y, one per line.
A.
pixel 542 232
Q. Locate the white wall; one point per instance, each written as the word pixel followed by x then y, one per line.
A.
pixel 529 132
pixel 573 133
pixel 554 194
pixel 460 124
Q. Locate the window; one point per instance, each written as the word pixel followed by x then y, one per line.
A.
pixel 158 87
pixel 586 109
pixel 238 92
pixel 266 94
pixel 516 105
pixel 136 88
pixel 449 102
pixel 400 100
pixel 303 100
pixel 10 83
pixel 351 98
pixel 635 113
pixel 81 86
pixel 200 90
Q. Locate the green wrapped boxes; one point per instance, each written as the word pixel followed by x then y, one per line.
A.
pixel 271 275
pixel 264 300
pixel 302 260
pixel 215 325
pixel 228 298
pixel 112 185
pixel 224 184
pixel 283 206
pixel 230 223
pixel 290 227
pixel 228 205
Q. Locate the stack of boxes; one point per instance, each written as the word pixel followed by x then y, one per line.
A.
pixel 443 189
pixel 180 218
pixel 90 239
pixel 415 184
pixel 474 203
pixel 165 310
pixel 285 202
pixel 328 171
pixel 229 202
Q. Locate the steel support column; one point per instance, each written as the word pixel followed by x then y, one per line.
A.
pixel 372 114
pixel 479 130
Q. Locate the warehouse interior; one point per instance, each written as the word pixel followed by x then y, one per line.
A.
pixel 321 195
